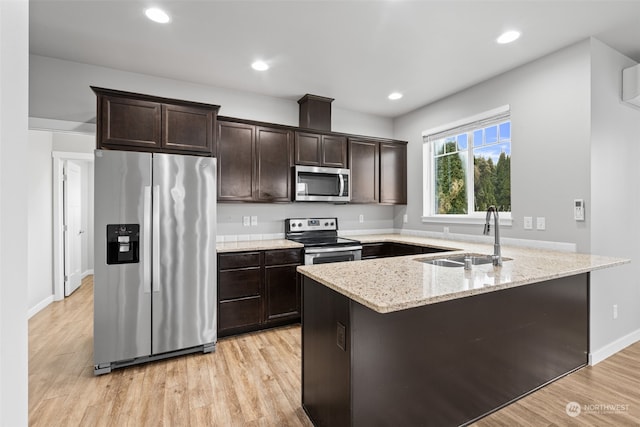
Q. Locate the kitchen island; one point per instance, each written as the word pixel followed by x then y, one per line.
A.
pixel 397 341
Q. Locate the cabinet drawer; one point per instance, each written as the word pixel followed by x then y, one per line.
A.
pixel 239 283
pixel 283 256
pixel 239 313
pixel 238 260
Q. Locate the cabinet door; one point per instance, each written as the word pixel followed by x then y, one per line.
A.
pixel 127 122
pixel 187 128
pixel 308 149
pixel 273 175
pixel 282 292
pixel 334 151
pixel 393 173
pixel 365 167
pixel 235 161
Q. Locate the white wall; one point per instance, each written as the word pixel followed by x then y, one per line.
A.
pixel 549 101
pixel 60 90
pixel 271 217
pixel 14 68
pixel 573 137
pixel 74 143
pixel 39 221
pixel 615 203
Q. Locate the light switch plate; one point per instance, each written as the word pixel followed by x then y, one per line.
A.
pixel 254 221
pixel 528 223
pixel 541 224
pixel 246 221
pixel 361 218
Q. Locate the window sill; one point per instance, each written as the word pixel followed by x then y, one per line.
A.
pixel 505 219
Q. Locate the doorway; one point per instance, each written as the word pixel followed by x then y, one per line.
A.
pixel 72 220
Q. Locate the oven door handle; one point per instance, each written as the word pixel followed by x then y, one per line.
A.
pixel 334 249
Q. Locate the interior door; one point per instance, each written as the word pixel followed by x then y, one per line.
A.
pixel 73 232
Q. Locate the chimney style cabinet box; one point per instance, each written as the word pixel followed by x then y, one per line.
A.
pixel 315 112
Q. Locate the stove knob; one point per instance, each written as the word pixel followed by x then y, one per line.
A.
pixel 332 224
pixel 293 225
pixel 326 224
pixel 299 224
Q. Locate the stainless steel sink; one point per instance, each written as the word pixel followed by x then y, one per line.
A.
pixel 442 262
pixel 458 260
pixel 475 259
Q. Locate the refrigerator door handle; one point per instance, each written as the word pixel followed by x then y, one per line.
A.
pixel 156 238
pixel 146 241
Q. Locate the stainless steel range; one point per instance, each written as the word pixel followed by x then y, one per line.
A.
pixel 320 239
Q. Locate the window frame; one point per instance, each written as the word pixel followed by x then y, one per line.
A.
pixel 498 114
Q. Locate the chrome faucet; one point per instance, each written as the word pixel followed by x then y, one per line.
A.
pixel 497 256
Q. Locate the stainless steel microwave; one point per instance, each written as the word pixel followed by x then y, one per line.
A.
pixel 316 184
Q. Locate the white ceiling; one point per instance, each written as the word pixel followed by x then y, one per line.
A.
pixel 354 51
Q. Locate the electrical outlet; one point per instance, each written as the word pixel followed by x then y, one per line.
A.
pixel 528 223
pixel 405 218
pixel 254 221
pixel 361 218
pixel 541 224
pixel 446 230
pixel 246 221
pixel 615 311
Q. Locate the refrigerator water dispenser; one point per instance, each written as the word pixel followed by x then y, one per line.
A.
pixel 123 243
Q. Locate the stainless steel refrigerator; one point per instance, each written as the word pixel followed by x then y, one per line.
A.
pixel 155 259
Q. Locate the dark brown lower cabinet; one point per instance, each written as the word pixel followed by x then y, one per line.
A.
pixel 390 249
pixel 282 291
pixel 257 290
pixel 443 364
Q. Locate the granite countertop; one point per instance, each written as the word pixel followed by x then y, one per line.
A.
pixel 256 245
pixel 392 284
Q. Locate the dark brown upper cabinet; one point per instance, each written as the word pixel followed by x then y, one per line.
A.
pixel 273 165
pixel 236 153
pixel 314 149
pixel 364 158
pixel 378 171
pixel 393 173
pixel 132 121
pixel 254 163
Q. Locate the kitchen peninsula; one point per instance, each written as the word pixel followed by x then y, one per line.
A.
pixel 397 341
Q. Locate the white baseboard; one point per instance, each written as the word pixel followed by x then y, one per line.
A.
pixel 614 347
pixel 42 304
pixel 87 273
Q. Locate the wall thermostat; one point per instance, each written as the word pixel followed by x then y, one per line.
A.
pixel 578 209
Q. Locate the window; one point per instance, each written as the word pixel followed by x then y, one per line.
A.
pixel 467 167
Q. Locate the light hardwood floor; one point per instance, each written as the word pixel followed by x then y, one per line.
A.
pixel 254 380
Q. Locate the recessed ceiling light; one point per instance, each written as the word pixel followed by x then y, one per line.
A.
pixel 508 37
pixel 260 66
pixel 157 15
pixel 395 95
